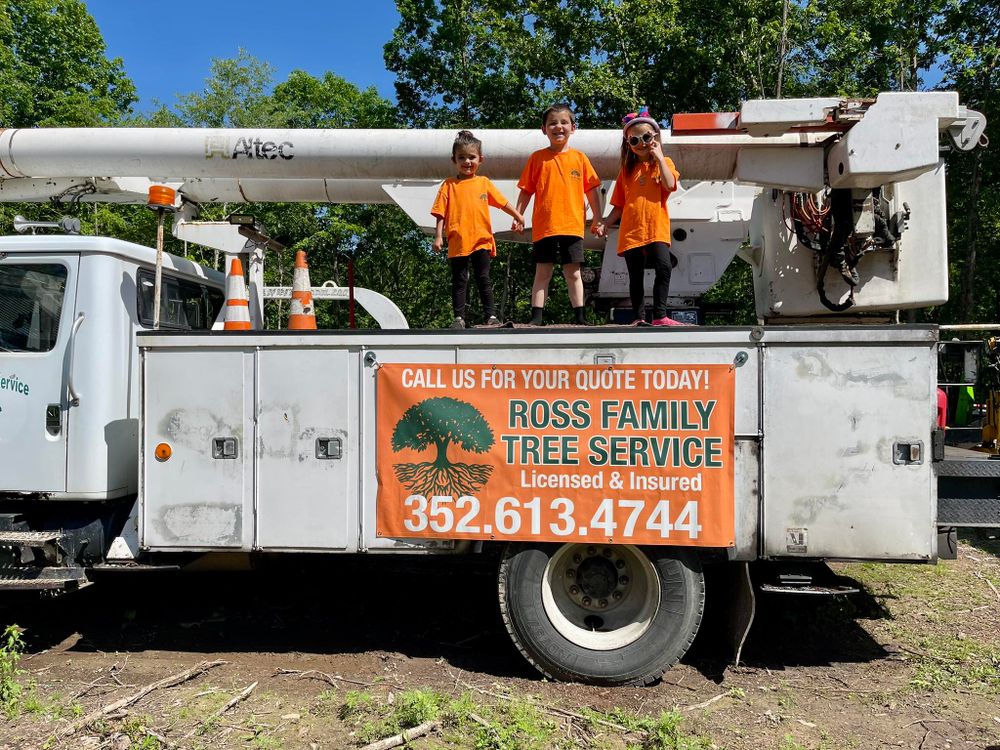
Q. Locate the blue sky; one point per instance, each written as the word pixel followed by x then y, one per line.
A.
pixel 167 48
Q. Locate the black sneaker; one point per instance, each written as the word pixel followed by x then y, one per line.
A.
pixel 493 321
pixel 458 323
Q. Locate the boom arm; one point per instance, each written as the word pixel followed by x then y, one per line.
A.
pixel 796 146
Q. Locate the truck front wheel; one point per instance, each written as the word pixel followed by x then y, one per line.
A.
pixel 601 614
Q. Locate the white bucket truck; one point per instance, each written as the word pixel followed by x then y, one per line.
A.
pixel 604 466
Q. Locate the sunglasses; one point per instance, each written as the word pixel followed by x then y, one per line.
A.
pixel 635 140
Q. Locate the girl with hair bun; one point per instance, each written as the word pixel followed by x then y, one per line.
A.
pixel 462 210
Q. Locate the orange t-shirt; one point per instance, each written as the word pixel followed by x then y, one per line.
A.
pixel 464 206
pixel 559 183
pixel 642 197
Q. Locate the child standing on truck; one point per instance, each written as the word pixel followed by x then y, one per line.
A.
pixel 462 208
pixel 559 177
pixel 646 179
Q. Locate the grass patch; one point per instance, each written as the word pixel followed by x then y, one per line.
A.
pixel 950 662
pixel 11 649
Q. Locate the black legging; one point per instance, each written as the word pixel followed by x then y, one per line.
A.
pixel 480 262
pixel 655 255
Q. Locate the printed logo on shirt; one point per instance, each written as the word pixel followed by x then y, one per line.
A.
pixel 483 198
pixel 575 173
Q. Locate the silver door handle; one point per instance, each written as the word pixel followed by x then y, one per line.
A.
pixel 74 396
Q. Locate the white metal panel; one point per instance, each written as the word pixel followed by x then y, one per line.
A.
pixel 709 222
pixel 305 501
pixel 34 459
pixel 831 416
pixel 896 140
pixel 192 500
pixel 914 275
pixel 773 116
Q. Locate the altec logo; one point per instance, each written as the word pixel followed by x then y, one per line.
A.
pixel 247 148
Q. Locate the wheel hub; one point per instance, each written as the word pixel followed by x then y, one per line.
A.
pixel 598 578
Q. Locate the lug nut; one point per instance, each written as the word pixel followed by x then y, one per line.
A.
pixel 571 573
pixel 591 550
pixel 586 601
pixel 617 595
pixel 574 590
pixel 623 580
pixel 603 603
pixel 619 564
pixel 577 558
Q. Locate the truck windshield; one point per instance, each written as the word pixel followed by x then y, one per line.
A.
pixel 31 298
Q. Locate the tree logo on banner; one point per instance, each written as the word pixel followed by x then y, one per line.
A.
pixel 441 422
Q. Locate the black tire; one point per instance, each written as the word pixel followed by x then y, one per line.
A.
pixel 566 637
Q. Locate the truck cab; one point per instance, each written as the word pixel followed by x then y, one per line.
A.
pixel 70 308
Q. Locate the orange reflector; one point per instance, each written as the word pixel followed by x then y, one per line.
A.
pixel 162 452
pixel 161 196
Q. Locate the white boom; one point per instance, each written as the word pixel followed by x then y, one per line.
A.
pixel 799 145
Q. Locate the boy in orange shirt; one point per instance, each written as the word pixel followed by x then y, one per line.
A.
pixel 462 208
pixel 559 177
pixel 646 180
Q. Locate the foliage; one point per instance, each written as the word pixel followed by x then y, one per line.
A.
pixel 53 69
pixel 11 649
pixel 489 63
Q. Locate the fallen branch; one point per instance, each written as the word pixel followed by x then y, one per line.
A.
pixel 204 722
pixel 989 583
pixel 166 682
pixel 705 704
pixel 404 737
pixel 317 675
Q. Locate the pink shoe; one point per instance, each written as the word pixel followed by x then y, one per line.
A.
pixel 667 321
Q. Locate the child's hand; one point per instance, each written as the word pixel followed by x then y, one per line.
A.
pixel 656 149
pixel 517 225
pixel 598 228
pixel 438 244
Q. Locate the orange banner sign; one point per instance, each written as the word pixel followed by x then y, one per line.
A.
pixel 638 454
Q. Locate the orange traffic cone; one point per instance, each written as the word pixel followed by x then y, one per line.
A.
pixel 301 316
pixel 237 304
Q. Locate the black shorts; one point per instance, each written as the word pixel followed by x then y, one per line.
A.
pixel 558 248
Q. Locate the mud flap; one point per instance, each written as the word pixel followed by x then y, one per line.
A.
pixel 742 606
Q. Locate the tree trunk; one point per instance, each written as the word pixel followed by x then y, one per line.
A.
pixel 967 300
pixel 783 51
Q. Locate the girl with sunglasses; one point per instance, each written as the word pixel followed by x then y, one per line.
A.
pixel 639 201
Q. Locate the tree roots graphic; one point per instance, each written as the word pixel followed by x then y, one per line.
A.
pixel 429 479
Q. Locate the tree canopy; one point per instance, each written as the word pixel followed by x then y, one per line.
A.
pixel 491 63
pixel 53 67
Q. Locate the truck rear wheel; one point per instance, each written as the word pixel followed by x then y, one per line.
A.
pixel 601 614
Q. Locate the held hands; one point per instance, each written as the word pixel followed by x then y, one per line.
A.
pixel 518 224
pixel 598 228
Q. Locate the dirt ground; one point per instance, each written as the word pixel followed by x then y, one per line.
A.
pixel 913 661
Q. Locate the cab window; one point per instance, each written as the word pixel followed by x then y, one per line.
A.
pixel 31 300
pixel 184 305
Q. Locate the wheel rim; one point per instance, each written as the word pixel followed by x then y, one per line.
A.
pixel 600 597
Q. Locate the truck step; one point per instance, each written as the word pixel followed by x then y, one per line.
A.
pixel 812 589
pixel 42 579
pixel 28 538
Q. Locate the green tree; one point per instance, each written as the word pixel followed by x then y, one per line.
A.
pixel 53 69
pixel 970 33
pixel 439 422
